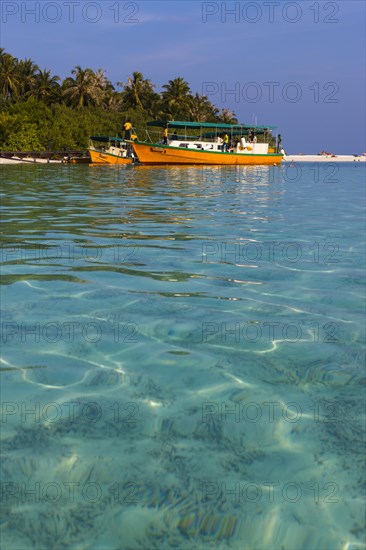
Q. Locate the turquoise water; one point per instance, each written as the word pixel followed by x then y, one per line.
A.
pixel 182 357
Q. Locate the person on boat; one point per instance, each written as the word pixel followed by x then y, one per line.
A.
pixel 219 141
pixel 279 142
pixel 175 136
pixel 127 128
pixel 225 145
pixel 165 135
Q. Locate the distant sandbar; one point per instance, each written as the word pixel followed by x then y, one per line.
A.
pixel 324 158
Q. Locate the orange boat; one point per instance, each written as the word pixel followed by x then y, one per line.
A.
pixel 246 145
pixel 109 150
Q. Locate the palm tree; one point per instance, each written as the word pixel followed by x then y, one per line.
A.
pixel 100 87
pixel 88 88
pixel 227 117
pixel 176 97
pixel 46 87
pixel 138 92
pixel 9 76
pixel 27 73
pixel 113 101
pixel 201 109
pixel 78 91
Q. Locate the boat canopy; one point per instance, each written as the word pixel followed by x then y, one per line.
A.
pixel 210 135
pixel 240 128
pixel 106 139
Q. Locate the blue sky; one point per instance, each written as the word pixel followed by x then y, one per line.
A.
pixel 296 65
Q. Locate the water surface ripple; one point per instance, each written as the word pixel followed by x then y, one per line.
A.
pixel 182 359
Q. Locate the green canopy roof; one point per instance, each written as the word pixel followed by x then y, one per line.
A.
pixel 243 132
pixel 198 125
pixel 105 139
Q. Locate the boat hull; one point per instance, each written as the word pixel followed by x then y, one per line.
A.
pixel 98 157
pixel 150 153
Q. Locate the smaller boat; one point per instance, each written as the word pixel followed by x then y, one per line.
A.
pixel 110 150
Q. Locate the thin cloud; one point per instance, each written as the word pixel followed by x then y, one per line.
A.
pixel 153 18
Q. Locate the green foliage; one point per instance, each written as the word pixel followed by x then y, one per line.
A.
pixel 39 113
pixel 7 124
pixel 25 139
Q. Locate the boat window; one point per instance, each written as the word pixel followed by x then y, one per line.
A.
pixel 198 145
pixel 183 145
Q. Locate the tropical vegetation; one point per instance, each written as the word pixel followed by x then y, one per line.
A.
pixel 39 111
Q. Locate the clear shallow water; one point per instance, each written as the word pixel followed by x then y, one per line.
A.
pixel 182 357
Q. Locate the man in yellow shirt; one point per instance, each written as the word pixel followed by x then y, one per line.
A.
pixel 165 135
pixel 127 128
pixel 225 146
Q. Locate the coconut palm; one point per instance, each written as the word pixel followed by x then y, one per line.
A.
pixel 79 91
pixel 27 70
pixel 46 87
pixel 138 92
pixel 227 117
pixel 9 76
pixel 176 97
pixel 201 109
pixel 113 101
pixel 100 87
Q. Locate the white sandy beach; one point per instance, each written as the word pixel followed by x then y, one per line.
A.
pixel 323 158
pixel 16 160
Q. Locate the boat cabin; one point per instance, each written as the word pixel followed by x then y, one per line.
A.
pixel 243 139
pixel 243 147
